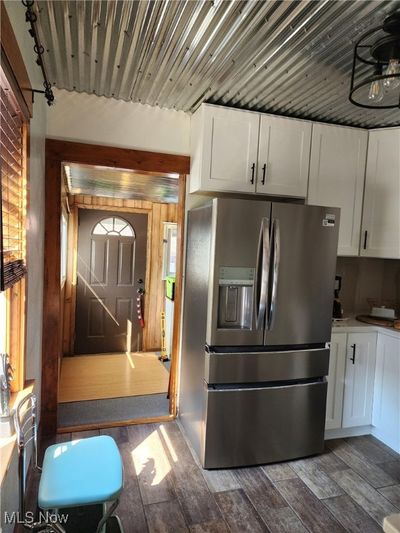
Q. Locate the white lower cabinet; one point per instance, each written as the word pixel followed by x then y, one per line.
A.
pixel 351 380
pixel 386 409
pixel 334 399
pixel 359 379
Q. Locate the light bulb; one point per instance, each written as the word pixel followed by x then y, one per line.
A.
pixel 392 68
pixel 376 92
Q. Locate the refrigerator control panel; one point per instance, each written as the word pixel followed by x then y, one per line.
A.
pixel 236 275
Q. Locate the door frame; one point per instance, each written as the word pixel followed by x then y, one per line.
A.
pixel 57 152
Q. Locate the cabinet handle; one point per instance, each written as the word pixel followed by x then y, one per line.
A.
pixel 365 239
pixel 353 357
pixel 253 168
pixel 264 169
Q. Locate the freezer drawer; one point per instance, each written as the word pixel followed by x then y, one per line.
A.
pixel 263 425
pixel 252 367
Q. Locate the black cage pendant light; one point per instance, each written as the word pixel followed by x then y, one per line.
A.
pixel 375 77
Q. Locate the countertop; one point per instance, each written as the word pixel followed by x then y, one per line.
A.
pixel 352 325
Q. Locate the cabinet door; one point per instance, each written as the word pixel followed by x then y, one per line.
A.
pixel 334 399
pixel 284 156
pixel 386 410
pixel 230 150
pixel 381 215
pixel 359 379
pixel 337 169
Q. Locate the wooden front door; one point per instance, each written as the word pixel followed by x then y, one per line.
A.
pixel 111 268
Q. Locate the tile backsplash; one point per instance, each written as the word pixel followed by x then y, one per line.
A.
pixel 367 282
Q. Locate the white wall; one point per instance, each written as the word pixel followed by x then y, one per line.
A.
pixel 35 243
pixel 99 120
pixel 35 232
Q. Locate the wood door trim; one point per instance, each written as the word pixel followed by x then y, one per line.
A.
pixel 109 156
pixel 176 331
pixel 51 343
pixel 56 153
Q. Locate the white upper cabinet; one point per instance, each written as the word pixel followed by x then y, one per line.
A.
pixel 243 151
pixel 381 215
pixel 337 169
pixel 224 144
pixel 359 379
pixel 283 156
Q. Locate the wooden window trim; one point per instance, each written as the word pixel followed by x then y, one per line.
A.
pixel 16 296
pixel 13 63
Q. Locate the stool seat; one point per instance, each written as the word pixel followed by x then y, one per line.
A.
pixel 81 472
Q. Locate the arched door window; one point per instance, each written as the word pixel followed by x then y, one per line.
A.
pixel 114 226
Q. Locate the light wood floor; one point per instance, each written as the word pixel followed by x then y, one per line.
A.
pixel 351 487
pixel 102 376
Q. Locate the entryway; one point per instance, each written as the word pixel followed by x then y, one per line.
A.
pixel 119 243
pixel 101 388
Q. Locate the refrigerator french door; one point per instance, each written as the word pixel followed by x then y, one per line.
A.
pixel 285 258
pixel 257 320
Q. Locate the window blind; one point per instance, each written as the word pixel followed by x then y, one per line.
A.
pixel 13 200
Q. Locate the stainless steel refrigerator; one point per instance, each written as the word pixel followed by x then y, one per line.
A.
pixel 259 285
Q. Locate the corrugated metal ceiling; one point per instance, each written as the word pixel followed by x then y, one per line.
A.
pixel 286 57
pixel 121 183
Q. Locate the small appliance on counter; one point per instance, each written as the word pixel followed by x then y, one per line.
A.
pixel 381 316
pixel 383 312
pixel 337 305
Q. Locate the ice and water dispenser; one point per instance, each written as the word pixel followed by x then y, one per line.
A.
pixel 236 293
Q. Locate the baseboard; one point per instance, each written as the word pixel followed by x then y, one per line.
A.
pixel 380 435
pixel 348 432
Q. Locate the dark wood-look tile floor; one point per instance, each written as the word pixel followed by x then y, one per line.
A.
pixel 351 487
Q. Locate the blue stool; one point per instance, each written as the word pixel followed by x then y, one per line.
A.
pixel 74 474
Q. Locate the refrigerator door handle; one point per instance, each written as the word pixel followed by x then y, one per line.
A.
pixel 263 257
pixel 276 239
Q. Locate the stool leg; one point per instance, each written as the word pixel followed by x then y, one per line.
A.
pixel 57 528
pixel 107 515
pixel 45 527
